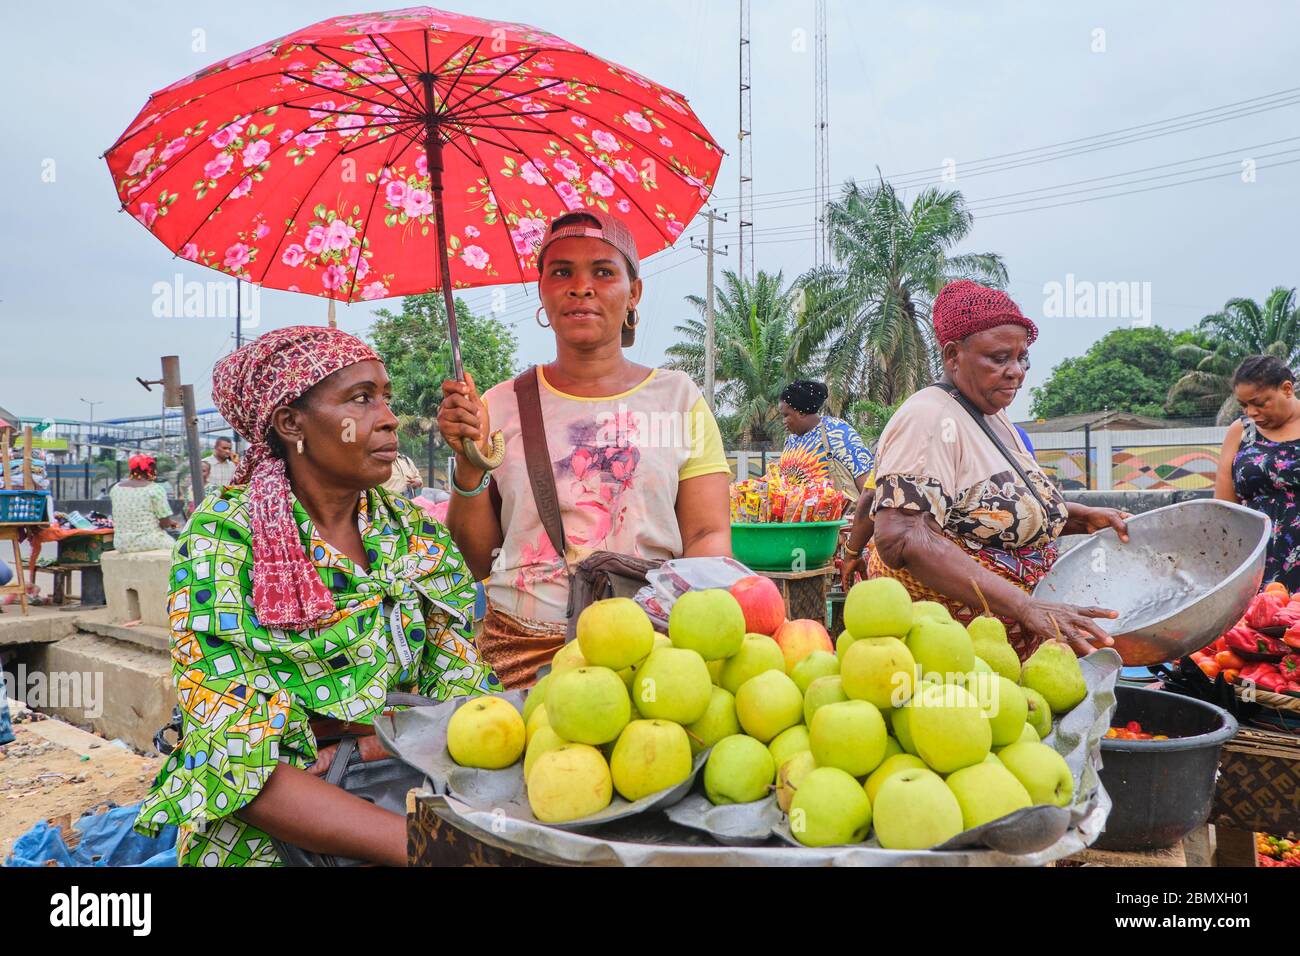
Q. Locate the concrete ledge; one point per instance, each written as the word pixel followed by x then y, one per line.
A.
pixel 126 690
pixel 135 586
pixel 99 622
pixel 41 625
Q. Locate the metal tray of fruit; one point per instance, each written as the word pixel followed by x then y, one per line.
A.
pixel 418 735
pixel 693 832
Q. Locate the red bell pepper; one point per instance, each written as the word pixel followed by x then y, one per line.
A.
pixel 1252 646
pixel 1274 683
pixel 1292 637
pixel 1254 672
pixel 1290 667
pixel 1263 608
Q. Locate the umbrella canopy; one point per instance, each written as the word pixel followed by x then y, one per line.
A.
pixel 315 163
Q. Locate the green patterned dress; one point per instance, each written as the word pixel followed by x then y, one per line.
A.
pixel 247 692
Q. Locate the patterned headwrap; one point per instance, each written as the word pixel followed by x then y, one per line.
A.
pixel 963 308
pixel 247 387
pixel 805 397
pixel 142 466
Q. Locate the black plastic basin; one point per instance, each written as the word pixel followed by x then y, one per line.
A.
pixel 1161 790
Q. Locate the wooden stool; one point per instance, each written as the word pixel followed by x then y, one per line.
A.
pixel 9 532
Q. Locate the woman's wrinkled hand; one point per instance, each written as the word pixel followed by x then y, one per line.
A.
pixel 1077 626
pixel 1089 520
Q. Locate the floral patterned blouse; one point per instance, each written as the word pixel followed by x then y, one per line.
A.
pixel 1266 477
pixel 247 693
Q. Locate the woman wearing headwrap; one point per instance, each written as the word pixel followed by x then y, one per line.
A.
pixel 300 596
pixel 955 515
pixel 821 445
pixel 141 509
pixel 635 453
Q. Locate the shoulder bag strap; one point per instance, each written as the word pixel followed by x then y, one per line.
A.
pixel 537 457
pixel 998 443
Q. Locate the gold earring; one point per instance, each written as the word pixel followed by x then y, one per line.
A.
pixel 300 446
pixel 538 318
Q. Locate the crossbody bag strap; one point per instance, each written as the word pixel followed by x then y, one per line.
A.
pixel 998 443
pixel 537 457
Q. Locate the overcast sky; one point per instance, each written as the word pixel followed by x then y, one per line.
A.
pixel 913 86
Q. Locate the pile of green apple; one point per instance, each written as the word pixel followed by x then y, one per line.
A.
pixel 909 722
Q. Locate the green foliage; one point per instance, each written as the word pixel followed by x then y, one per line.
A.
pixel 867 319
pixel 1129 370
pixel 1223 339
pixel 870 418
pixel 754 325
pixel 415 347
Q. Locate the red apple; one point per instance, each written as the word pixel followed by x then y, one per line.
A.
pixel 761 601
pixel 799 638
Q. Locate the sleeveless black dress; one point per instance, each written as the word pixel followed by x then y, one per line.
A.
pixel 1266 477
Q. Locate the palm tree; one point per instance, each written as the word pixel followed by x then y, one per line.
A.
pixel 754 326
pixel 1242 328
pixel 868 313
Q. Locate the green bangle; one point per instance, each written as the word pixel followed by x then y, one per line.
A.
pixel 487 477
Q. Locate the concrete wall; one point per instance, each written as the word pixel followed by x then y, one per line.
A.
pixel 135 586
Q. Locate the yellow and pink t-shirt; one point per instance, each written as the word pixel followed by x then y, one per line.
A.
pixel 618 462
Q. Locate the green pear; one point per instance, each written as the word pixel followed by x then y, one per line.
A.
pixel 1004 705
pixel 536 720
pixel 982 666
pixel 739 770
pixel 535 696
pixel 879 670
pixel 788 743
pixel 569 783
pixel 1028 734
pixel 941 647
pixel 986 792
pixel 892 746
pixel 900 723
pixel 545 739
pixel 671 684
pixel 843 643
pixel 830 808
pixel 824 690
pixel 1041 771
pixel 757 653
pixel 999 656
pixel 880 607
pixel 568 658
pixel 986 627
pixel 1053 670
pixel 719 721
pixel 932 610
pixel 815 665
pixel 915 810
pixel 850 735
pixel 948 726
pixel 707 621
pixel 715 671
pixel 588 705
pixel 888 767
pixel 790 774
pixel 768 704
pixel 1040 715
pixel 650 756
pixel 615 633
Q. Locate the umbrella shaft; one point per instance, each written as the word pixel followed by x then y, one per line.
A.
pixel 433 153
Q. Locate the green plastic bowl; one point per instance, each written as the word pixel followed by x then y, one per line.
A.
pixel 782 546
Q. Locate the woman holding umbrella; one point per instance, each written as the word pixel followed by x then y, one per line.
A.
pixel 300 596
pixel 635 452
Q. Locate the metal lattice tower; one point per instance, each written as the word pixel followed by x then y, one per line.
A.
pixel 746 211
pixel 821 129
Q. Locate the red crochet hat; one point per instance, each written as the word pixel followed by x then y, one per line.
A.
pixel 964 307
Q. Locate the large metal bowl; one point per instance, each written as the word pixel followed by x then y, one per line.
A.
pixel 1187 574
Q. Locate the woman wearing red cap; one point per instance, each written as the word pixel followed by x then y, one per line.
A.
pixel 140 509
pixel 634 452
pixel 961 508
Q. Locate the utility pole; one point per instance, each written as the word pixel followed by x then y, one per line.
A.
pixel 239 343
pixel 821 125
pixel 710 349
pixel 746 164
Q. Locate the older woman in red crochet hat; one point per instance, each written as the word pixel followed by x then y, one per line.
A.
pixel 962 512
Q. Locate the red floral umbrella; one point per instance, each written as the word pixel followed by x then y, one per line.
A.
pixel 374 155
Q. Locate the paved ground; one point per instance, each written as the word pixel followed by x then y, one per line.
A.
pixel 52 769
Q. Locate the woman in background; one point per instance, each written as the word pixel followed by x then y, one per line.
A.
pixel 140 509
pixel 1259 465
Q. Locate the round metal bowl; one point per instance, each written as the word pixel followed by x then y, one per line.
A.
pixel 1186 575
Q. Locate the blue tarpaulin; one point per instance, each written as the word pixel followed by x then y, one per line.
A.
pixel 106 840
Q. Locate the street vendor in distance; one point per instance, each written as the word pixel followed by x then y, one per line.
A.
pixel 961 508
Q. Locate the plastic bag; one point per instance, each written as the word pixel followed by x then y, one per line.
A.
pixel 106 840
pixel 674 578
